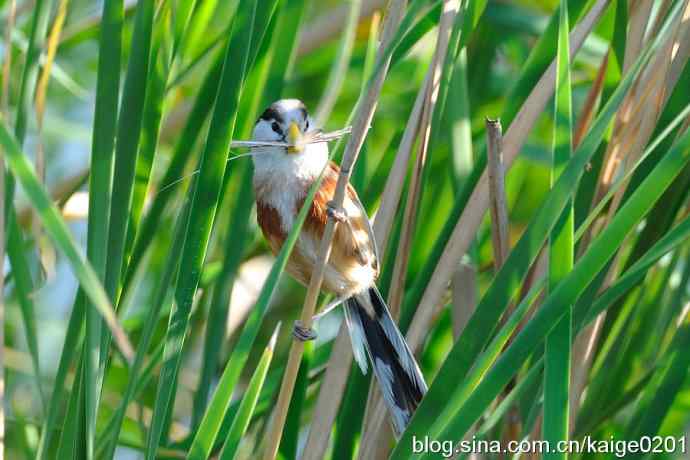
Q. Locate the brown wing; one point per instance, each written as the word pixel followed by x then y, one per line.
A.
pixel 269 222
pixel 353 240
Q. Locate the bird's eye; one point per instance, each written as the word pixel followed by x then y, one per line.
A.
pixel 275 127
pixel 306 125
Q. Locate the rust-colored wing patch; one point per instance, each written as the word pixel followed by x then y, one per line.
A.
pixel 352 240
pixel 269 221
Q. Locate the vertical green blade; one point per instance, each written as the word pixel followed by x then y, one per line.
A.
pixel 558 343
pixel 203 208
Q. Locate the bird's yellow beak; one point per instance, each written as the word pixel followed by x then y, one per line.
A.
pixel 295 138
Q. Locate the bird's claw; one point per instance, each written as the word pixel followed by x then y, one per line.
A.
pixel 302 333
pixel 337 213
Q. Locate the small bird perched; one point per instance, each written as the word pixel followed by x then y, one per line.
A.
pixel 282 178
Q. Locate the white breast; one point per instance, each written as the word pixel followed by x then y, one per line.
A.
pixel 282 178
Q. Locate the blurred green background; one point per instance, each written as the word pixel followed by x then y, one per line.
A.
pixel 293 49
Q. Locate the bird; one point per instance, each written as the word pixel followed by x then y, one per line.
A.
pixel 282 178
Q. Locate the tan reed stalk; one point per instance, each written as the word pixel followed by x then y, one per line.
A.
pixel 46 252
pixel 464 291
pixel 327 403
pixel 354 145
pixel 497 193
pixel 341 354
pixel 375 440
pixel 587 113
pixel 383 221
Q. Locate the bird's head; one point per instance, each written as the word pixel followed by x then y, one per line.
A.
pixel 287 120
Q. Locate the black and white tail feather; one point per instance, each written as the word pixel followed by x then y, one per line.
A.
pixel 373 332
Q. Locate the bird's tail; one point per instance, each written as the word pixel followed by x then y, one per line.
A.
pixel 373 332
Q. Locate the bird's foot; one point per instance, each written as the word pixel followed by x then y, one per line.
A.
pixel 337 213
pixel 302 333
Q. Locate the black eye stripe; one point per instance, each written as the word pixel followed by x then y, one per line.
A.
pixel 271 113
pixel 276 127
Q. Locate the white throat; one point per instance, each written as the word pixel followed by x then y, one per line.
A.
pixel 280 178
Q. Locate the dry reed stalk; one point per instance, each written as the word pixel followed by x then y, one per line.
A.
pixel 42 86
pixel 629 137
pixel 497 192
pixel 360 128
pixel 332 388
pixel 625 135
pixel 464 289
pixel 340 360
pixel 46 252
pixel 661 13
pixel 500 242
pixel 478 202
pixel 588 110
pixel 341 355
pixel 430 93
pixel 657 84
pixel 385 216
pixel 375 443
pixel 397 287
pixel 638 17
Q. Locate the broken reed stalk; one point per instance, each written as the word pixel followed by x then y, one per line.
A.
pixel 354 145
pixel 500 240
pixel 497 192
pixel 498 208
